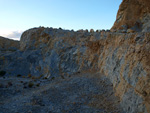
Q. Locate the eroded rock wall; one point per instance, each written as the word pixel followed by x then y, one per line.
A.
pixel 125 60
pixel 52 52
pixel 122 57
pixel 133 14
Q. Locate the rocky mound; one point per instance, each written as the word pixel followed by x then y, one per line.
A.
pixel 8 44
pixel 133 15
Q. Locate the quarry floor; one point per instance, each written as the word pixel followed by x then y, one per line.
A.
pixel 87 92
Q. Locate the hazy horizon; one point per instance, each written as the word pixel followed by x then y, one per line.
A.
pixel 20 15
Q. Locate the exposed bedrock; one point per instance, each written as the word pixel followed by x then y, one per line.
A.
pixel 123 54
pixel 123 58
pixel 133 16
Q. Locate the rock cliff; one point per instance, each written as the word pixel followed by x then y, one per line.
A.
pixel 122 57
pixel 125 60
pixel 52 52
pixel 133 14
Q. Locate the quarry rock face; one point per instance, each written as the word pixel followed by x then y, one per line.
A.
pixel 122 56
pixel 50 53
pixel 60 52
pixel 125 60
pixel 133 14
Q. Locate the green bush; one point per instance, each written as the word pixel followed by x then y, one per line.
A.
pixel 2 73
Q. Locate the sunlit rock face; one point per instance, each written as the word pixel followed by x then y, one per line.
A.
pixel 133 14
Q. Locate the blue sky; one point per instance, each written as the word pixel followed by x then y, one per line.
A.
pixel 17 16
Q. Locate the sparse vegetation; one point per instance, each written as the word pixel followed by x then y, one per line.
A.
pixel 1 85
pixel 38 84
pixel 62 77
pixel 31 84
pixel 36 92
pixel 10 84
pixel 24 87
pixel 40 76
pixel 33 77
pixel 53 78
pixel 29 75
pixel 23 77
pixel 18 75
pixel 2 73
pixel 45 77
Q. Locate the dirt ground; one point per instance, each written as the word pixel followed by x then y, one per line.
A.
pixel 80 93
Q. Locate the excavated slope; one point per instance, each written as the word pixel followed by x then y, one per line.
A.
pixel 133 14
pixel 122 57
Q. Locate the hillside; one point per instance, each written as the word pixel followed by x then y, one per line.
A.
pixel 8 44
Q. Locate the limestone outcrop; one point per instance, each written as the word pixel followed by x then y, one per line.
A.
pixel 122 57
pixel 122 54
pixel 125 60
pixel 133 14
pixel 52 52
